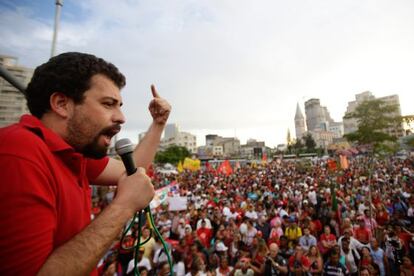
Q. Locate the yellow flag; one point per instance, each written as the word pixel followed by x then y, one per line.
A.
pixel 188 163
pixel 191 164
pixel 180 167
pixel 196 165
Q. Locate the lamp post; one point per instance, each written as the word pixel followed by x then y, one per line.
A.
pixel 59 5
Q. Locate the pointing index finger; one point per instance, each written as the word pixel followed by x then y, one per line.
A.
pixel 154 91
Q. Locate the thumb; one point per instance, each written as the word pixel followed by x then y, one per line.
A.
pixel 141 170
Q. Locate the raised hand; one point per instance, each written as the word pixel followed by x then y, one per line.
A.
pixel 159 108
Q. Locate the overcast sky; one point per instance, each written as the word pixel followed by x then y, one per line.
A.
pixel 229 67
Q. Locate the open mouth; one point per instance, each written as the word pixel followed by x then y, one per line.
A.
pixel 110 132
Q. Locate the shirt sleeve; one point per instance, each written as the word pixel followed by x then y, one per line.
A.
pixel 94 167
pixel 28 216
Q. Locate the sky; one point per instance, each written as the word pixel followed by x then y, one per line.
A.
pixel 233 68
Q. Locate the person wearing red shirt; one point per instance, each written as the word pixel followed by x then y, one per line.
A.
pixel 204 234
pixel 361 233
pixel 326 241
pixel 49 159
pixel 298 262
pixel 382 216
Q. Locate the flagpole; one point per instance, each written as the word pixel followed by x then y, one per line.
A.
pixel 370 193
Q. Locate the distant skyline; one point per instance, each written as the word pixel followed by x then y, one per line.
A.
pixel 229 67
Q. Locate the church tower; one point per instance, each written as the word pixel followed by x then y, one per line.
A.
pixel 289 140
pixel 299 123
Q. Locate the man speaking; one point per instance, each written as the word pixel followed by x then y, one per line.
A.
pixel 49 159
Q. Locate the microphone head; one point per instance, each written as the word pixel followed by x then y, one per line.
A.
pixel 124 146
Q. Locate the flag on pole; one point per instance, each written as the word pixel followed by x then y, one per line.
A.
pixel 331 165
pixel 180 167
pixel 210 168
pixel 191 164
pixel 225 168
pixel 264 159
pixel 344 162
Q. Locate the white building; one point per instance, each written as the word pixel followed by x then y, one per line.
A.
pixel 317 116
pixel 230 145
pixel 351 125
pixel 210 151
pixel 173 136
pixel 12 102
pixel 322 138
pixel 319 123
pixel 171 130
pixel 337 128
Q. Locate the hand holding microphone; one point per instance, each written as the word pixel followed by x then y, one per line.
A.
pixel 135 191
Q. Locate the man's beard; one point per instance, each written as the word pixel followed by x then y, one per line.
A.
pixel 93 149
pixel 78 139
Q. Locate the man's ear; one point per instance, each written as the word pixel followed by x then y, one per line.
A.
pixel 61 104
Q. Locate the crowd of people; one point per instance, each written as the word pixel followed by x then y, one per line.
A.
pixel 279 218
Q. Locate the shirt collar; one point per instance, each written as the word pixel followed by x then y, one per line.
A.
pixel 54 142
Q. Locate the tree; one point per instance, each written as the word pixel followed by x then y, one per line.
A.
pixel 298 146
pixel 374 117
pixel 173 154
pixel 309 142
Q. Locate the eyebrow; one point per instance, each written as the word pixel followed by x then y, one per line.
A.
pixel 112 99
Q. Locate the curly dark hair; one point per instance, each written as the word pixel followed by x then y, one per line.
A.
pixel 68 73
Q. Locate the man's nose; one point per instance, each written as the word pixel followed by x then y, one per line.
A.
pixel 119 117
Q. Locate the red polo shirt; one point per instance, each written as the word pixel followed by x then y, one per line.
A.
pixel 44 194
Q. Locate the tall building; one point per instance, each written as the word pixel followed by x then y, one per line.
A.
pixel 253 149
pixel 173 136
pixel 12 102
pixel 300 128
pixel 171 130
pixel 351 125
pixel 337 128
pixel 230 145
pixel 317 116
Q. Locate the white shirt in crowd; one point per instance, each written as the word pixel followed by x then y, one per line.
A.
pixel 165 224
pixel 283 213
pixel 208 223
pixel 312 197
pixel 143 263
pixel 251 215
pixel 160 256
pixel 350 260
pixel 228 214
pixel 179 269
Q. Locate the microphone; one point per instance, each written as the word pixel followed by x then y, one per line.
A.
pixel 125 148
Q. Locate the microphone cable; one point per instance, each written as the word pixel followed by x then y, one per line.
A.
pixel 125 149
pixel 153 229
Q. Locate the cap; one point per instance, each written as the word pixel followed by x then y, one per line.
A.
pixel 221 247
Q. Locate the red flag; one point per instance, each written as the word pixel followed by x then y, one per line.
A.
pixel 264 158
pixel 150 171
pixel 225 168
pixel 210 168
pixel 331 165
